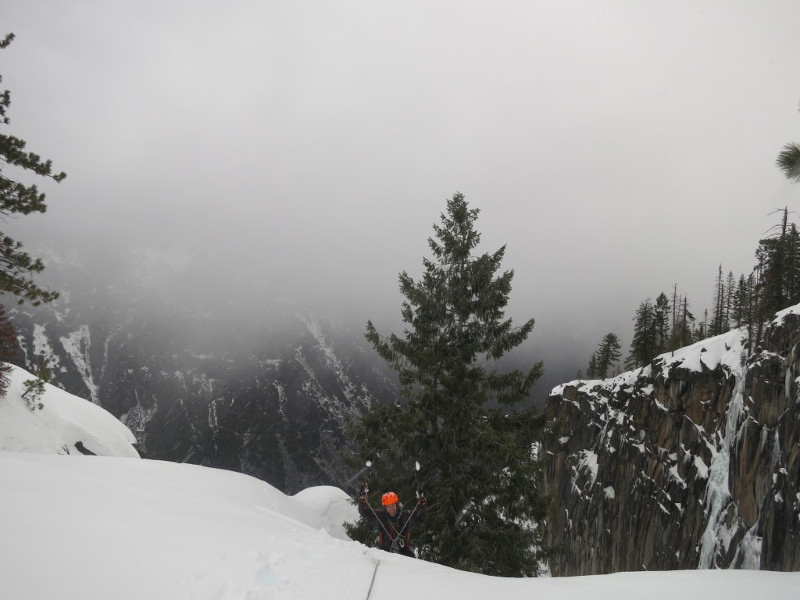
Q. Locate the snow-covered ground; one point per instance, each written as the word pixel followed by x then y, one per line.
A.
pixel 116 527
pixel 100 528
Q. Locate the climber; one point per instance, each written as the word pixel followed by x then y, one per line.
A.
pixel 393 522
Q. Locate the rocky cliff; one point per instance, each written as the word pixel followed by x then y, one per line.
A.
pixel 690 462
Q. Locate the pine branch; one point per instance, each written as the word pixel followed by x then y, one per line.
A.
pixel 789 161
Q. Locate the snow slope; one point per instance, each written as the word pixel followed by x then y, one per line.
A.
pixel 100 528
pixel 57 422
pixel 117 527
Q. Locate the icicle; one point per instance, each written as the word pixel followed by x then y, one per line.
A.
pixel 788 382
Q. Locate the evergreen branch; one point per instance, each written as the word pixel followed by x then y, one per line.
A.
pixel 788 161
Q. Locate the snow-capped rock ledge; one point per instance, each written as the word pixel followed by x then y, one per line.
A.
pixel 692 461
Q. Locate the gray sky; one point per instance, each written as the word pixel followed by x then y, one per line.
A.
pixel 617 147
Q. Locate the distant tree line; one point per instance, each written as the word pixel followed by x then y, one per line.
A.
pixel 748 300
pixel 744 301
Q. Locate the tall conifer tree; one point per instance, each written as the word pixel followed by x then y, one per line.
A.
pixel 607 354
pixel 650 331
pixel 458 419
pixel 661 324
pixel 719 319
pixel 17 266
pixel 775 269
pixel 644 336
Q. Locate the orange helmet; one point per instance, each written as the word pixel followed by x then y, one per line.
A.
pixel 389 498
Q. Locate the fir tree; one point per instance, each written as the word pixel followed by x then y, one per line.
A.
pixel 719 319
pixel 650 332
pixel 740 302
pixel 777 269
pixel 791 250
pixel 744 303
pixel 660 324
pixel 17 267
pixel 478 468
pixel 607 354
pixel 643 344
pixel 725 298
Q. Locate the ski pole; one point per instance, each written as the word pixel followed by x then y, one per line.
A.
pixel 365 490
pixel 357 475
pixel 420 495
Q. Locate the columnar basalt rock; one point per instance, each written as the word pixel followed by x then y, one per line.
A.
pixel 692 461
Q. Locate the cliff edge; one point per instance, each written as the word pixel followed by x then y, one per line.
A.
pixel 690 462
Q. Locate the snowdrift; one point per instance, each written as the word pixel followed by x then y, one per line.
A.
pixel 59 423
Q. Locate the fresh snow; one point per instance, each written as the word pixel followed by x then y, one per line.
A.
pixel 61 422
pixel 96 528
pixel 725 349
pixel 119 527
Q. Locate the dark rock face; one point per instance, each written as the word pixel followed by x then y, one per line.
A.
pixel 692 461
pixel 269 397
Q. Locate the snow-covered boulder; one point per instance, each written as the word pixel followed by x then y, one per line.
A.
pixel 57 422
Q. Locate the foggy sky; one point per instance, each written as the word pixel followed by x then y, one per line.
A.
pixel 617 148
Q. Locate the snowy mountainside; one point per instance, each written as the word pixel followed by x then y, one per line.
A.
pixel 96 528
pixel 267 393
pixel 691 461
pixel 57 422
